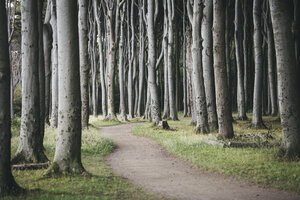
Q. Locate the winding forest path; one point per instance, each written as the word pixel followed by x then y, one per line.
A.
pixel 145 163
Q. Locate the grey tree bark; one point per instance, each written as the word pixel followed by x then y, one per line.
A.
pixel 141 60
pixel 239 62
pixel 96 9
pixel 47 60
pixel 131 55
pixel 7 182
pixel 151 19
pixel 288 79
pixel 112 20
pixel 272 69
pixel 84 65
pixel 68 146
pixel 222 90
pixel 166 112
pixel 41 71
pixel 50 19
pixel 185 104
pixel 30 147
pixel 171 57
pixel 122 66
pixel 258 82
pixel 207 60
pixel 195 16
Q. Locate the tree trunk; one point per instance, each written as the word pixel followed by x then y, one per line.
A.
pixel 185 105
pixel 245 51
pixel 166 112
pixel 208 71
pixel 155 107
pixel 239 62
pixel 84 65
pixel 101 59
pixel 141 60
pixel 54 61
pixel 30 148
pixel 41 71
pixel 47 59
pixel 288 79
pixel 258 83
pixel 197 74
pixel 68 146
pixel 171 58
pixel 222 91
pixel 7 182
pixel 271 70
pixel 131 56
pixel 121 69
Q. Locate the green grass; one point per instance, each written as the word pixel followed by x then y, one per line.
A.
pixel 258 165
pixel 102 184
pixel 101 122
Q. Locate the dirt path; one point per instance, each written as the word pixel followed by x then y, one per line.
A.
pixel 144 162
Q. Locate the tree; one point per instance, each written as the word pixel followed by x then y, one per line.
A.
pixel 30 147
pixel 170 63
pixel 68 147
pixel 150 20
pixel 222 90
pixel 195 14
pixel 208 71
pixel 258 83
pixel 7 182
pixel 239 62
pixel 111 12
pixel 287 72
pixel 84 65
pixel 51 20
pixel 122 66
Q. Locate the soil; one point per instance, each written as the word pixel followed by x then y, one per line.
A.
pixel 147 164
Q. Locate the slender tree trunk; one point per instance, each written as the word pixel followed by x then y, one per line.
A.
pixel 208 71
pixel 245 51
pixel 222 91
pixel 185 105
pixel 41 71
pixel 271 70
pixel 7 182
pixel 131 56
pixel 30 148
pixel 54 61
pixel 166 112
pixel 84 65
pixel 141 60
pixel 258 83
pixel 239 62
pixel 155 106
pixel 68 146
pixel 101 58
pixel 171 58
pixel 47 54
pixel 198 81
pixel 288 79
pixel 121 68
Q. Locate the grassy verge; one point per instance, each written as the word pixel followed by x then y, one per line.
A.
pixel 103 184
pixel 258 165
pixel 101 122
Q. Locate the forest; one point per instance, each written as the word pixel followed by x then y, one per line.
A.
pixel 215 83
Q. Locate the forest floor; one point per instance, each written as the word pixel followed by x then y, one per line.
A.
pixel 102 184
pixel 146 163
